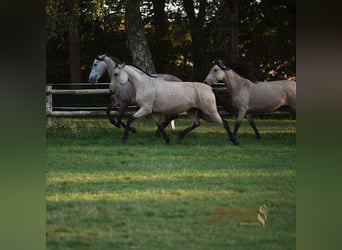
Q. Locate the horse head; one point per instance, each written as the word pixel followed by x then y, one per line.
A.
pixel 98 68
pixel 215 74
pixel 120 75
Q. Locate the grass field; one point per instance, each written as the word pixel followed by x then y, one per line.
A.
pixel 202 194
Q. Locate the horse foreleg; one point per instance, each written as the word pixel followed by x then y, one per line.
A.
pixel 195 123
pixel 238 122
pixel 121 112
pixel 140 113
pixel 161 129
pixel 252 123
pixel 168 119
pixel 110 118
pixel 125 135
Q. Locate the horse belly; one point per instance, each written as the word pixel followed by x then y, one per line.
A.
pixel 174 98
pixel 266 100
pixel 173 104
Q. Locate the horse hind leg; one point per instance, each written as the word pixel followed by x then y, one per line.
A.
pixel 253 125
pixel 192 114
pixel 215 117
pixel 168 119
pixel 161 128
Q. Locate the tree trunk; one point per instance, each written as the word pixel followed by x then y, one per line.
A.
pixel 74 55
pixel 160 52
pixel 74 42
pixel 137 43
pixel 234 31
pixel 199 40
pixel 100 42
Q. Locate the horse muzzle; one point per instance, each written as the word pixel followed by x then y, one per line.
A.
pixel 208 82
pixel 93 79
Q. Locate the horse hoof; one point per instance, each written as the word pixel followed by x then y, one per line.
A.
pixel 116 125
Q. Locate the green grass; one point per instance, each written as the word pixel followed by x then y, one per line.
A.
pixel 102 194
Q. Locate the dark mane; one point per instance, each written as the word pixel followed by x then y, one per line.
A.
pixel 116 60
pixel 239 69
pixel 143 71
pixel 98 58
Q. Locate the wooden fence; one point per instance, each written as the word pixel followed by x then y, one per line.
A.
pixel 88 89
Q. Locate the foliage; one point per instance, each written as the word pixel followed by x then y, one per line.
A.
pixel 266 36
pixel 147 195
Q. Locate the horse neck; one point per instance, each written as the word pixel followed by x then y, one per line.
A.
pixel 234 82
pixel 110 69
pixel 136 78
pixel 110 66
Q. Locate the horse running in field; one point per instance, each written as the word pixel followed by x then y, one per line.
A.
pixel 159 97
pixel 122 95
pixel 250 97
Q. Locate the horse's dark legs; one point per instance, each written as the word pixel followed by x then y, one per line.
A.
pixel 186 131
pixel 192 114
pixel 111 119
pixel 140 113
pixel 127 128
pixel 161 130
pixel 121 112
pixel 252 123
pixel 238 122
pixel 168 119
pixel 229 132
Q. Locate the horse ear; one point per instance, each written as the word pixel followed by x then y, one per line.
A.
pixel 122 65
pixel 221 64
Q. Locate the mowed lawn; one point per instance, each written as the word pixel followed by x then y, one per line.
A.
pixel 202 194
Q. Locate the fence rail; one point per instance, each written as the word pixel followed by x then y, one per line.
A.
pixel 65 111
pixel 52 111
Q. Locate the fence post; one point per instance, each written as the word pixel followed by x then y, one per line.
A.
pixel 48 106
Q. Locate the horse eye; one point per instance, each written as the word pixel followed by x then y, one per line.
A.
pixel 116 74
pixel 215 70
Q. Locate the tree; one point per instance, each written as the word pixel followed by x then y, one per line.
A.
pixel 137 43
pixel 63 18
pixel 199 39
pixel 74 41
pixel 184 36
pixel 233 10
pixel 160 51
